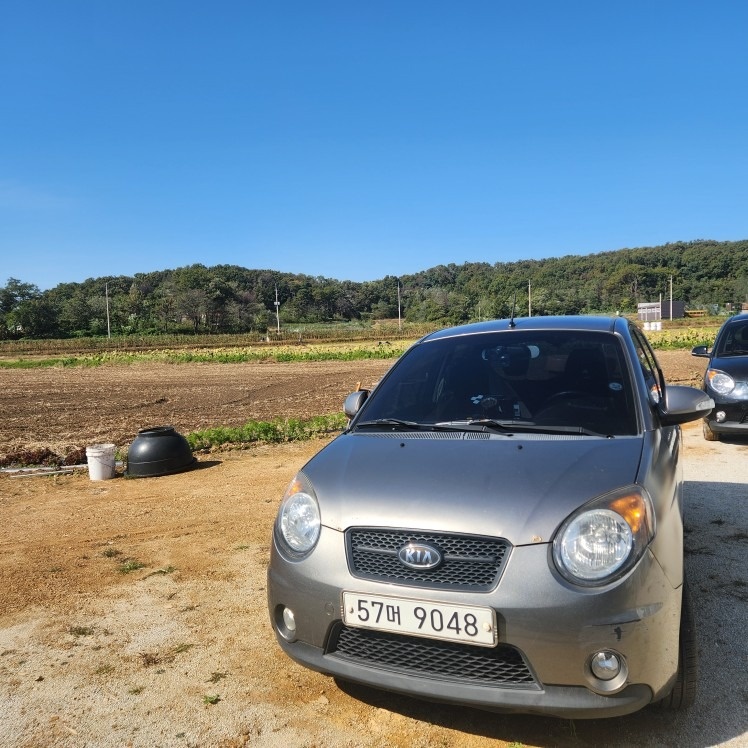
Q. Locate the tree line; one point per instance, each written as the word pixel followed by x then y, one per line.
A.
pixel 231 299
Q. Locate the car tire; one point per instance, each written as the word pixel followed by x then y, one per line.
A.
pixel 684 688
pixel 709 435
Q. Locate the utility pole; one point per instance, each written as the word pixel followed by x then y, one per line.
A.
pixel 277 313
pixel 108 327
pixel 529 298
pixel 671 298
pixel 399 318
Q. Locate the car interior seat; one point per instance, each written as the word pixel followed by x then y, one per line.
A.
pixel 586 372
pixel 740 340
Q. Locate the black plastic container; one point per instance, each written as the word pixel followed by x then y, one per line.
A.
pixel 159 450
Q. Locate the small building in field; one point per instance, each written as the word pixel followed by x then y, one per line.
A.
pixel 655 311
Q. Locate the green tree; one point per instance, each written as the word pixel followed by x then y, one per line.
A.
pixel 12 295
pixel 34 318
pixel 192 303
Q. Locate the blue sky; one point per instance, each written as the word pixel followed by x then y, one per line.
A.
pixel 355 140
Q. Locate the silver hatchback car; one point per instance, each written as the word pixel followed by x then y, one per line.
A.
pixel 500 525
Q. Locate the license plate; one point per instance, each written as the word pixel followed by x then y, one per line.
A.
pixel 467 624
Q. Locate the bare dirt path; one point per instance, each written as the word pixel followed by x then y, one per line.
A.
pixel 93 656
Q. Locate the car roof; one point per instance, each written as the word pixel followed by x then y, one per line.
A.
pixel 577 323
pixel 736 319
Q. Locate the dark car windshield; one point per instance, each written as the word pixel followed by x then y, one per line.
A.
pixel 547 378
pixel 733 341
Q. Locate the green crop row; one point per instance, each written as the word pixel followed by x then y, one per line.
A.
pixel 267 432
pixel 681 337
pixel 668 339
pixel 288 354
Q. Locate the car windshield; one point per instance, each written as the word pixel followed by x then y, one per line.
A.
pixel 547 379
pixel 734 340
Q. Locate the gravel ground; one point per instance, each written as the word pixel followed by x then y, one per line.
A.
pixel 91 657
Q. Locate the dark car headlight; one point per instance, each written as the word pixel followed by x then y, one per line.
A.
pixel 721 382
pixel 298 524
pixel 604 538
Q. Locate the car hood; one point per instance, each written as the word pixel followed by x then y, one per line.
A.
pixel 517 488
pixel 735 366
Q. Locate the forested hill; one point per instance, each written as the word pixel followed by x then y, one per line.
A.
pixel 228 298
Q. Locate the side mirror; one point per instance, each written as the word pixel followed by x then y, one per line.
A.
pixel 700 350
pixel 354 401
pixel 683 404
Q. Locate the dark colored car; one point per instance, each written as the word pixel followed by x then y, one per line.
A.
pixel 726 379
pixel 500 525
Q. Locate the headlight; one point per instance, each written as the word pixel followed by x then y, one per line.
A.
pixel 605 537
pixel 298 523
pixel 721 383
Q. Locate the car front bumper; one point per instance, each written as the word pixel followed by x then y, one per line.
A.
pixel 552 627
pixel 568 702
pixel 734 421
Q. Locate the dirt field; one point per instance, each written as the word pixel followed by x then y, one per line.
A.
pixel 64 409
pixel 133 611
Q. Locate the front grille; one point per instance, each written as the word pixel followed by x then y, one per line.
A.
pixel 469 562
pixel 501 667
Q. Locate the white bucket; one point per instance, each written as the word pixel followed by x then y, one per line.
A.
pixel 100 459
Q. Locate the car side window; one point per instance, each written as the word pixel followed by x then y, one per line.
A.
pixel 648 363
pixel 734 340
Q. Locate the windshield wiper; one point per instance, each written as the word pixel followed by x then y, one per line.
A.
pixel 483 424
pixel 389 423
pixel 475 424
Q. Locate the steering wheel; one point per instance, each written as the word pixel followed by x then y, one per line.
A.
pixel 565 395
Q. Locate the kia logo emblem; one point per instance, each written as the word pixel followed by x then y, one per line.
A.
pixel 419 556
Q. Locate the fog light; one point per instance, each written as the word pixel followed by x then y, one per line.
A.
pixel 286 623
pixel 289 620
pixel 720 416
pixel 605 665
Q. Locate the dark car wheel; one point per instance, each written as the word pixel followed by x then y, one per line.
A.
pixel 684 689
pixel 709 435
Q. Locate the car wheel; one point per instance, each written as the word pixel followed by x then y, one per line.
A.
pixel 684 689
pixel 709 435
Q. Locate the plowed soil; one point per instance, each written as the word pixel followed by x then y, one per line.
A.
pixel 132 612
pixel 65 409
